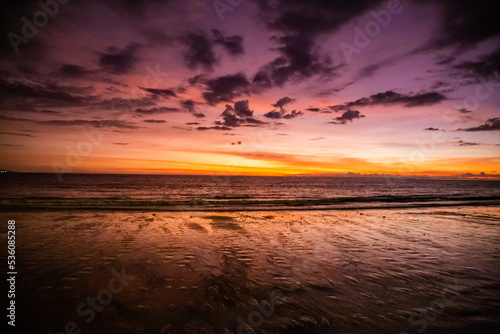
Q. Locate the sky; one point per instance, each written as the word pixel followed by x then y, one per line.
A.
pixel 279 87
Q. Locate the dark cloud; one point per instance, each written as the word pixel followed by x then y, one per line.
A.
pixel 97 124
pixel 465 23
pixel 232 44
pixel 157 38
pixel 188 105
pixel 432 129
pixel 197 80
pixel 299 24
pixel 484 66
pixel 181 89
pixel 154 121
pixel 230 118
pixel 199 51
pixel 237 115
pixel 156 110
pixel 119 61
pixel 311 18
pixel 37 98
pixel 281 114
pixel 217 127
pixel 193 123
pixel 120 143
pixel 42 93
pixel 330 91
pixel 133 8
pixel 463 143
pixel 464 111
pixel 441 85
pixel 273 114
pixel 323 111
pixel 27 70
pixel 261 80
pixel 242 109
pixel 293 114
pixel 297 61
pixel 19 106
pixel 390 97
pixel 370 70
pixel 226 88
pixel 77 122
pixel 122 104
pixel 281 104
pixel 349 115
pixel 162 92
pixel 49 112
pixel 30 50
pixel 493 124
pixel 254 121
pixel 73 71
pixel 70 89
pixel 15 134
pixel 200 48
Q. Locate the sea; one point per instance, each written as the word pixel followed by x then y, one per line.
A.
pixel 26 191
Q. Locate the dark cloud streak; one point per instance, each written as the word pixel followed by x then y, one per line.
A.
pixel 226 88
pixel 349 115
pixel 166 93
pixel 120 61
pixel 391 98
pixel 492 124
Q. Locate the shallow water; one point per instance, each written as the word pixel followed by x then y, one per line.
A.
pixel 372 271
pixel 77 192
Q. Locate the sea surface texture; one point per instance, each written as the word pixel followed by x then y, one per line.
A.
pixel 170 193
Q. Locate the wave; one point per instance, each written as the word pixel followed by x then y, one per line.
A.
pixel 241 203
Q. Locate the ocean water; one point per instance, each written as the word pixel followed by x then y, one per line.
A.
pixel 222 193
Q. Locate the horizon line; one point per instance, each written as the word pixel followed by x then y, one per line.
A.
pixel 481 176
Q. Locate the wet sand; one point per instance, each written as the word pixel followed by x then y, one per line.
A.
pixel 433 270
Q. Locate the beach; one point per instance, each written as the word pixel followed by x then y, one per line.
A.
pixel 250 167
pixel 414 270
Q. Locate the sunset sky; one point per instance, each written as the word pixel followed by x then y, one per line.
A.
pixel 250 87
